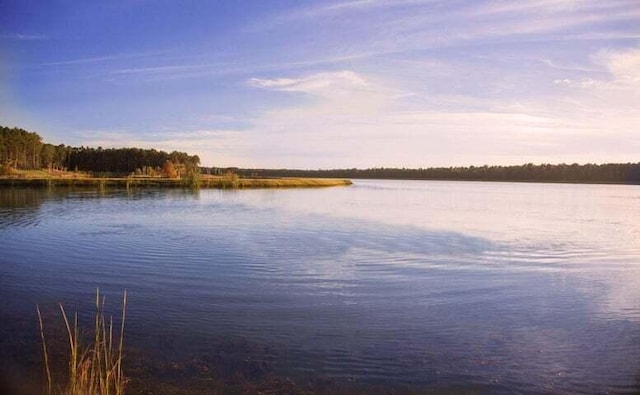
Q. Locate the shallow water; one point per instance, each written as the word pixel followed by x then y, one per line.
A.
pixel 493 287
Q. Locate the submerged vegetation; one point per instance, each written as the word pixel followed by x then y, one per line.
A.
pixel 95 361
pixel 95 368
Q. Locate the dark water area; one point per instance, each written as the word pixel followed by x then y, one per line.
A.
pixel 381 286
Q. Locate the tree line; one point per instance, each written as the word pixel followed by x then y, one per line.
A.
pixel 21 149
pixel 624 173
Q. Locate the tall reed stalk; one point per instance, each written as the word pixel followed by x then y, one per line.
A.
pixel 95 369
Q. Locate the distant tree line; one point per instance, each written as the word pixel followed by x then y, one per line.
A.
pixel 20 149
pixel 626 173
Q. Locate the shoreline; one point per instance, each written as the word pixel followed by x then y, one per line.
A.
pixel 204 182
pixel 222 182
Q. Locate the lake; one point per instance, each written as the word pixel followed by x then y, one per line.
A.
pixel 380 286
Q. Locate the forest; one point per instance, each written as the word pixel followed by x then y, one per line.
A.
pixel 622 173
pixel 23 150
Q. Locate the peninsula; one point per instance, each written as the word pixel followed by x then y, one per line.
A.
pixel 27 161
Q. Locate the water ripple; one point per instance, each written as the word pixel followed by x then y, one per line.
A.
pixel 498 288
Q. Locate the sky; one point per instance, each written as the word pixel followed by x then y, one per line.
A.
pixel 329 84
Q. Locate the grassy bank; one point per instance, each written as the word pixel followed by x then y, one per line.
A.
pixel 224 182
pixel 38 178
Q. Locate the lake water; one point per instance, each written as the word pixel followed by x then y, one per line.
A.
pixel 446 286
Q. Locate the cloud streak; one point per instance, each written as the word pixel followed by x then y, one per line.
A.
pixel 329 84
pixel 23 37
pixel 412 25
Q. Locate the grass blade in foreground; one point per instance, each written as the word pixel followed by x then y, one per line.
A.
pixel 97 367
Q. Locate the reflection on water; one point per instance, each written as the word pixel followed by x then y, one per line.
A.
pixel 486 286
pixel 20 207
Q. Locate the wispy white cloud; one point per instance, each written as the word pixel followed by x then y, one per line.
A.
pixel 106 58
pixel 161 69
pixel 604 36
pixel 402 30
pixel 624 65
pixel 273 83
pixel 573 67
pixel 501 7
pixel 23 37
pixel 95 59
pixel 584 83
pixel 334 84
pixel 306 13
pixel 534 20
pixel 355 5
pixel 212 69
pixel 433 24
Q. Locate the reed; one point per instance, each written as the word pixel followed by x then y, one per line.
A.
pixel 97 367
pixel 233 181
pixel 44 352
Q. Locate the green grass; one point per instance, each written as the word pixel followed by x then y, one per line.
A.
pixel 96 368
pixel 44 173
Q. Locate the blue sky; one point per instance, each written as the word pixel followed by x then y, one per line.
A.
pixel 326 84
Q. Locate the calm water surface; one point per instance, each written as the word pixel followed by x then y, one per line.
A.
pixel 492 287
